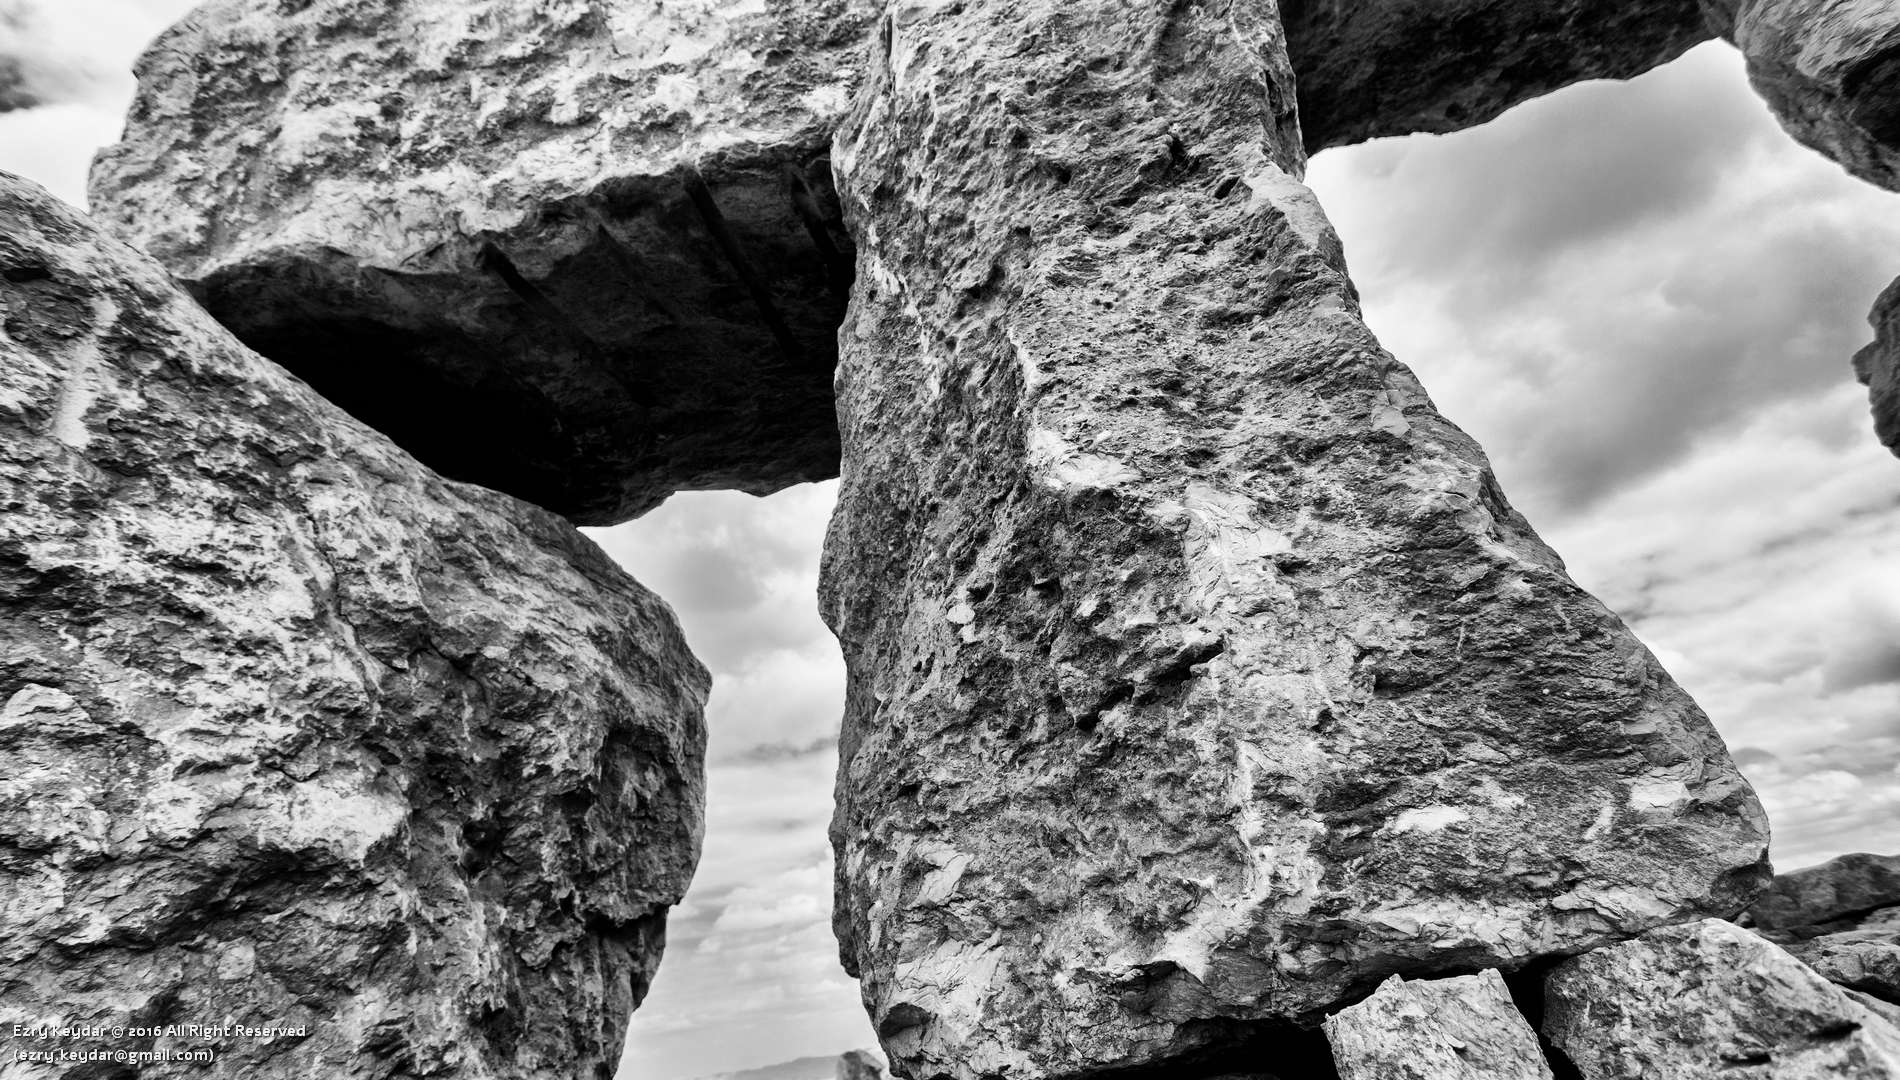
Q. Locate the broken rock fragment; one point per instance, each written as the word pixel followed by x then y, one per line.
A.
pixel 1711 999
pixel 1461 1028
pixel 1200 675
pixel 581 251
pixel 298 734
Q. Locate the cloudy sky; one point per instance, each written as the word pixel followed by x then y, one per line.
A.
pixel 1641 298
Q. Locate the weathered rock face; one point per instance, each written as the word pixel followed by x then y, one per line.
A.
pixel 1878 367
pixel 478 225
pixel 1849 885
pixel 1372 68
pixel 1463 1028
pixel 582 251
pixel 1711 999
pixel 1200 676
pixel 296 732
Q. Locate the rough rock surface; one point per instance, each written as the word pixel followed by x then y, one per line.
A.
pixel 582 251
pixel 1711 999
pixel 1849 885
pixel 1372 68
pixel 1462 1028
pixel 296 732
pixel 1199 674
pixel 1878 367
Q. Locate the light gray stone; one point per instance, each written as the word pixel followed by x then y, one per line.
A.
pixel 861 1065
pixel 296 733
pixel 498 230
pixel 1199 674
pixel 1461 1028
pixel 1711 999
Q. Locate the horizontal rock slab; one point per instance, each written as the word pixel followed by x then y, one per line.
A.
pixel 587 252
pixel 298 734
pixel 1863 957
pixel 1848 885
pixel 1711 999
pixel 1375 68
pixel 1460 1028
pixel 581 251
pixel 1200 676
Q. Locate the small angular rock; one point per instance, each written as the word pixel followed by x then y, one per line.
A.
pixel 296 733
pixel 1462 1028
pixel 1711 999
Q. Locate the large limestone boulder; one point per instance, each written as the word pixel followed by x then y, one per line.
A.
pixel 1372 68
pixel 582 251
pixel 1711 999
pixel 1461 1028
pixel 1200 676
pixel 296 733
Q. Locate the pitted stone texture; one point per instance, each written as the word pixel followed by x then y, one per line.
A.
pixel 1711 999
pixel 1200 676
pixel 297 733
pixel 1462 1028
pixel 474 224
pixel 1373 68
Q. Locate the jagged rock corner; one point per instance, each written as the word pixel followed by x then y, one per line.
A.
pixel 298 734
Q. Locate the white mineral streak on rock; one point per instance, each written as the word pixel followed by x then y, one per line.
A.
pixel 294 731
pixel 1463 1028
pixel 1711 999
pixel 1169 602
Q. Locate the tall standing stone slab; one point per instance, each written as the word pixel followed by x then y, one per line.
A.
pixel 294 733
pixel 1200 677
pixel 582 251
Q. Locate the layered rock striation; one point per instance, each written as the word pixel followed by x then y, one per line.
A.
pixel 582 251
pixel 1200 677
pixel 298 734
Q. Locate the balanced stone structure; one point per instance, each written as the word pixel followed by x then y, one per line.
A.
pixel 581 251
pixel 297 735
pixel 1202 680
